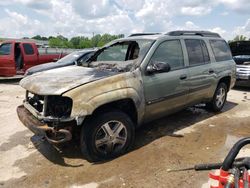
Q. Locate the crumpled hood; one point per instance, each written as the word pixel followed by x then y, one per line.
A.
pixel 58 81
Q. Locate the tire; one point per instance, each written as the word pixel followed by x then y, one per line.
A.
pixel 219 98
pixel 106 136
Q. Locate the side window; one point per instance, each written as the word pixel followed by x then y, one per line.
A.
pixel 5 49
pixel 197 52
pixel 221 50
pixel 170 52
pixel 28 49
pixel 114 53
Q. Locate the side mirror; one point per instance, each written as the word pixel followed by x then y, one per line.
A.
pixel 158 67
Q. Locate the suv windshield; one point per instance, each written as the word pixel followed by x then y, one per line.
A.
pixel 121 56
pixel 71 57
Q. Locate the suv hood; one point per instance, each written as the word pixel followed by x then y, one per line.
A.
pixel 58 81
pixel 46 66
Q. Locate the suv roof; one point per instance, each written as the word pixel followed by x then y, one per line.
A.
pixel 175 33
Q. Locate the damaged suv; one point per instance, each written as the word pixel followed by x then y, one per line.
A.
pixel 128 82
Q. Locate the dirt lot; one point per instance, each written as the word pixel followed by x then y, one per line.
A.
pixel 183 139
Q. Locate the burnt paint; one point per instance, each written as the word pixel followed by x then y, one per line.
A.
pixel 58 81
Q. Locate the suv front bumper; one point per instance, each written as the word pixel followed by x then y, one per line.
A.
pixel 54 136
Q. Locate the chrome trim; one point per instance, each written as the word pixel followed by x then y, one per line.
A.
pixel 243 72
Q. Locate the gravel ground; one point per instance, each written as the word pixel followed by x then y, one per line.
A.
pixel 181 140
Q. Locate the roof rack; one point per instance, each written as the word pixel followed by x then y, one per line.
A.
pixel 200 33
pixel 142 34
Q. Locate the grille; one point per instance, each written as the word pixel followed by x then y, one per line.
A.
pixel 54 106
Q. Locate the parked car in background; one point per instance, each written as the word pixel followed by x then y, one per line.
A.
pixel 16 57
pixel 77 57
pixel 125 84
pixel 241 55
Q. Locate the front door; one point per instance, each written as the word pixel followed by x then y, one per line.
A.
pixel 166 92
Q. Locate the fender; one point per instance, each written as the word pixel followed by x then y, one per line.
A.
pixel 85 108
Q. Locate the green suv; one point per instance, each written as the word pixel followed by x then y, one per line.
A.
pixel 125 84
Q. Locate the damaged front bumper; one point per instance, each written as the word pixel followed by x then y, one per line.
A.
pixel 54 135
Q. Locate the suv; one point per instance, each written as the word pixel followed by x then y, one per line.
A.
pixel 126 83
pixel 241 55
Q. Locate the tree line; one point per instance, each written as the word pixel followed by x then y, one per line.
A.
pixel 239 38
pixel 78 42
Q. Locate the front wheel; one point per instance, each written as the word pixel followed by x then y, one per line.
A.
pixel 107 135
pixel 219 98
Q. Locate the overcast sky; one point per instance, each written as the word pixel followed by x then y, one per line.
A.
pixel 26 18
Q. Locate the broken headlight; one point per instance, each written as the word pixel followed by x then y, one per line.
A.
pixel 58 106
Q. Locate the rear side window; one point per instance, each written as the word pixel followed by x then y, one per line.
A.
pixel 221 50
pixel 170 52
pixel 197 52
pixel 28 49
pixel 5 49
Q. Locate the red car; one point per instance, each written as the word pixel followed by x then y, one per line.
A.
pixel 16 57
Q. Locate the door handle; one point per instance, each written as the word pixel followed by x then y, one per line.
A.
pixel 183 77
pixel 211 71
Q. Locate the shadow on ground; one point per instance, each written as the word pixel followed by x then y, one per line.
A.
pixel 168 125
pixel 11 82
pixel 144 135
pixel 57 154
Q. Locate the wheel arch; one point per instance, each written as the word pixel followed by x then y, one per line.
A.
pixel 226 80
pixel 126 100
pixel 125 105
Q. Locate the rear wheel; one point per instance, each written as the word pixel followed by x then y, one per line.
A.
pixel 107 135
pixel 219 98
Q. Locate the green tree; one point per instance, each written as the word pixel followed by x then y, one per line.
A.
pixel 79 42
pixel 85 43
pixel 95 39
pixel 59 42
pixel 240 38
pixel 75 41
pixel 39 37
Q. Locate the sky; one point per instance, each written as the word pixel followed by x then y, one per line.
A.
pixel 27 18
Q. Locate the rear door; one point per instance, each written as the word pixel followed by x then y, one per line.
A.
pixel 7 59
pixel 167 91
pixel 200 70
pixel 30 57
